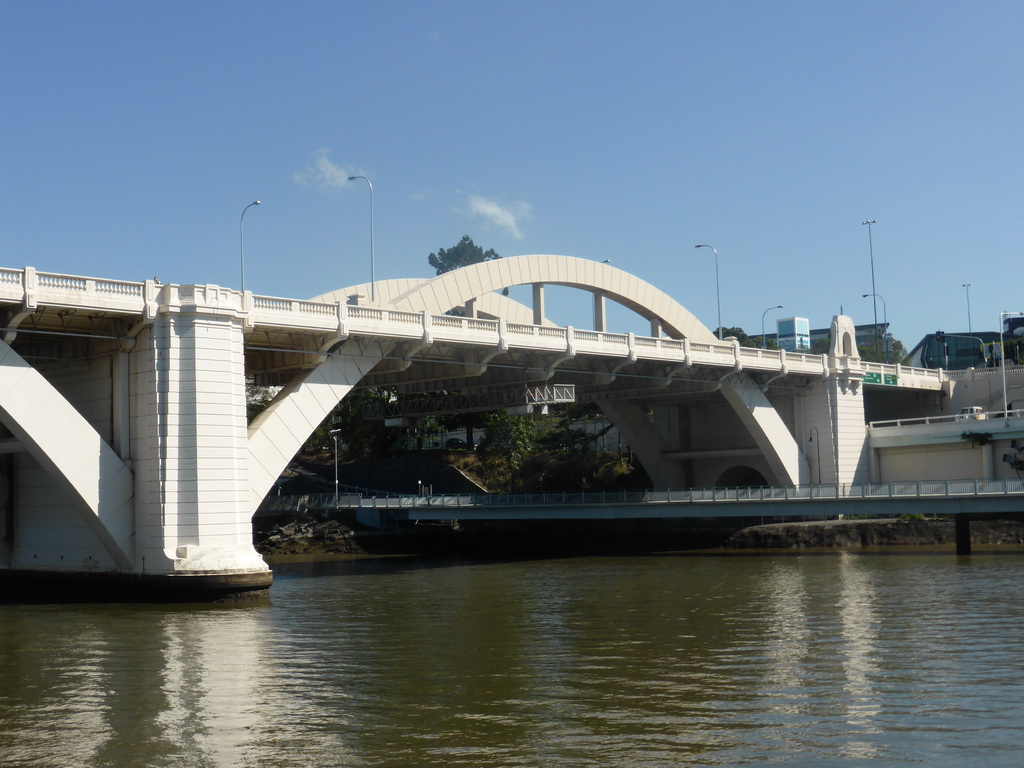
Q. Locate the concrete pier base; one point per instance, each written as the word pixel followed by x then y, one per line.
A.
pixel 26 586
pixel 963 534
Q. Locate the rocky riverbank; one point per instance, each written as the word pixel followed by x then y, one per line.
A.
pixel 337 534
pixel 855 534
pixel 304 534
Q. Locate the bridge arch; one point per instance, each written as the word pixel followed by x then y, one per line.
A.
pixel 482 284
pixel 486 279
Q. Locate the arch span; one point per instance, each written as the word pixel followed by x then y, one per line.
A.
pixel 482 283
pixel 478 281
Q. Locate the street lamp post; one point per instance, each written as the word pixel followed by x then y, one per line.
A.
pixel 373 279
pixel 871 250
pixel 764 339
pixel 241 239
pixel 885 322
pixel 334 436
pixel 718 289
pixel 967 287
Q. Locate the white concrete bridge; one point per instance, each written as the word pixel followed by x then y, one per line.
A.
pixel 126 451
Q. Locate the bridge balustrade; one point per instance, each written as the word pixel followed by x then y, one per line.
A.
pixel 27 286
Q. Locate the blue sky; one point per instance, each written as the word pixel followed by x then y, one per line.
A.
pixel 135 133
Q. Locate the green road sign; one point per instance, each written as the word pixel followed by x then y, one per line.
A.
pixel 888 379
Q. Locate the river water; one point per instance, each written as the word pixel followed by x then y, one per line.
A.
pixel 674 660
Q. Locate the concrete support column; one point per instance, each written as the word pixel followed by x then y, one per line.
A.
pixel 834 413
pixel 647 442
pixel 962 525
pixel 987 461
pixel 120 406
pixel 600 324
pixel 189 441
pixel 538 304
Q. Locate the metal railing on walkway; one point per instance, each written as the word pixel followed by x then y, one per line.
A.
pixel 913 489
pixel 971 420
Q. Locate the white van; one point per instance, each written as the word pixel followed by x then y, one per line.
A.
pixel 972 413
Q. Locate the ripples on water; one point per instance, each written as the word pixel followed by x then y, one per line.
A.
pixel 648 661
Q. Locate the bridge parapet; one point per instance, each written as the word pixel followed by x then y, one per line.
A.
pixel 380 322
pixel 907 377
pixel 30 289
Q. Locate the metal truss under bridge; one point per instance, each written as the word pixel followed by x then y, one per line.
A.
pixel 467 403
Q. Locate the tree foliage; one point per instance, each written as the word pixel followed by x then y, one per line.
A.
pixel 867 352
pixel 507 441
pixel 896 349
pixel 464 253
pixel 741 337
pixel 358 437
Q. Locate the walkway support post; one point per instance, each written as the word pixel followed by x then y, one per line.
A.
pixel 962 525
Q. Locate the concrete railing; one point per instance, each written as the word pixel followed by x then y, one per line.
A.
pixel 980 373
pixel 30 288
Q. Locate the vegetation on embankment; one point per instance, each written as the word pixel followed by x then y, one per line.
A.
pixel 333 533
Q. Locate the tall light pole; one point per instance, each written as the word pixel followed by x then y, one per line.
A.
pixel 334 436
pixel 885 322
pixel 373 279
pixel 241 239
pixel 871 250
pixel 718 289
pixel 764 339
pixel 967 286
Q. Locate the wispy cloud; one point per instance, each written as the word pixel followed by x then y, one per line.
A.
pixel 322 173
pixel 508 217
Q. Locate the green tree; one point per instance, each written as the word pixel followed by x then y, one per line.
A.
pixel 359 437
pixel 464 253
pixel 897 352
pixel 257 398
pixel 559 431
pixel 741 337
pixel 507 442
pixel 820 346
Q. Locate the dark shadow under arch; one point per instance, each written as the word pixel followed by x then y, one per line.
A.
pixel 740 476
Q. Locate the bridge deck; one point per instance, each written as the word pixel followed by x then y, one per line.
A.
pixel 34 292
